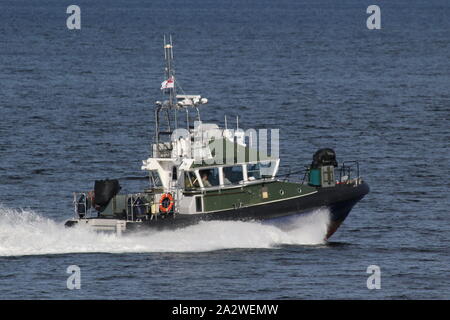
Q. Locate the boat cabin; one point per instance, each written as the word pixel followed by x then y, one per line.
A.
pixel 218 161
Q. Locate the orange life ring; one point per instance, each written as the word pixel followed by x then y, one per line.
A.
pixel 165 206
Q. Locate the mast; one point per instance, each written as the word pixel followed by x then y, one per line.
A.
pixel 169 71
pixel 164 108
pixel 166 112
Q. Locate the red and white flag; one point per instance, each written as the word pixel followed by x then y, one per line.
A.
pixel 167 84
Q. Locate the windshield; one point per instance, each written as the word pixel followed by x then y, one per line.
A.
pixel 190 180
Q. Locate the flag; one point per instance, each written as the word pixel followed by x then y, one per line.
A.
pixel 169 83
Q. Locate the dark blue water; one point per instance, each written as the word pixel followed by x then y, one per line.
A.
pixel 78 105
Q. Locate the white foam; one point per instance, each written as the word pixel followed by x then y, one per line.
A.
pixel 24 232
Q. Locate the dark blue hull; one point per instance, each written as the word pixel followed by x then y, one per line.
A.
pixel 339 200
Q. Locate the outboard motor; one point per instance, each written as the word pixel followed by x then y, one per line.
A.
pixel 324 157
pixel 104 191
pixel 321 173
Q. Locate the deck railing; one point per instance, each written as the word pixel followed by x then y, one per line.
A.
pixel 83 206
pixel 347 169
pixel 137 206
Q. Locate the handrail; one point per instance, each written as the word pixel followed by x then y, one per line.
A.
pixel 287 175
pixel 229 186
pixel 76 202
pixel 133 198
pixel 84 209
pixel 346 169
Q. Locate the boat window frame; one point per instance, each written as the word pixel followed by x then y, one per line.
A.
pixel 240 182
pixel 245 181
pixel 259 171
pixel 201 181
pixel 189 174
pixel 274 163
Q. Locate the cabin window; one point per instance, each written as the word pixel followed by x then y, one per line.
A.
pixel 267 169
pixel 260 170
pixel 190 180
pixel 174 173
pixel 232 175
pixel 254 171
pixel 155 180
pixel 210 177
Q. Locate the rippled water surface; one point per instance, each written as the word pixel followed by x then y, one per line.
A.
pixel 76 106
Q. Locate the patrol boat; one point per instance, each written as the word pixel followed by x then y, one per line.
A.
pixel 201 172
